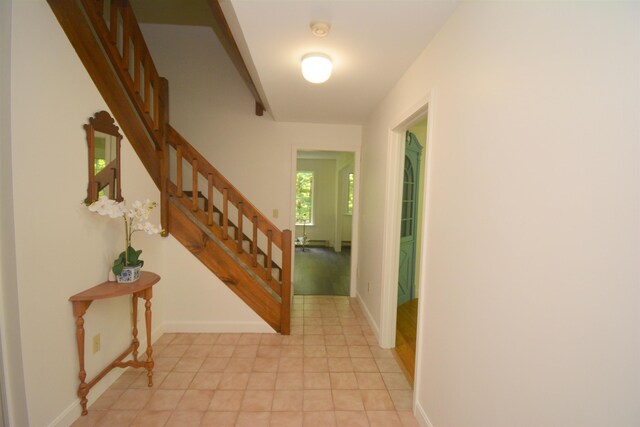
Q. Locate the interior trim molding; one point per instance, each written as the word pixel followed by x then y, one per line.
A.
pixel 218 327
pixel 367 313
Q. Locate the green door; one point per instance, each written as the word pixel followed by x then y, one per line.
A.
pixel 408 222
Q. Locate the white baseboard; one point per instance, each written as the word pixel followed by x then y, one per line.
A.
pixel 421 416
pixel 73 411
pixel 217 327
pixel 367 313
pixel 68 416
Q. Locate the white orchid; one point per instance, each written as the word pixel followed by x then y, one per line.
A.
pixel 135 219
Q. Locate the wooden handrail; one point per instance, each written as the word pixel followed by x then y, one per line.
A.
pixel 189 153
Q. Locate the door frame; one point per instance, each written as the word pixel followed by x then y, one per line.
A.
pixel 391 232
pixel 356 206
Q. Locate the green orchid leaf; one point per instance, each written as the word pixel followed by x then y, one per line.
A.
pixel 134 256
pixel 118 265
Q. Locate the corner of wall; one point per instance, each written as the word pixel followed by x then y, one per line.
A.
pixel 421 415
pixel 14 407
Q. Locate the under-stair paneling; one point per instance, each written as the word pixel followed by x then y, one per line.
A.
pixel 223 266
pixel 216 309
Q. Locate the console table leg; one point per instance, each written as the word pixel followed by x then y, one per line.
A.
pixel 79 309
pixel 149 362
pixel 135 341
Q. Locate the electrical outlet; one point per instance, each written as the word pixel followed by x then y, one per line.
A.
pixel 276 213
pixel 96 343
pixel 368 286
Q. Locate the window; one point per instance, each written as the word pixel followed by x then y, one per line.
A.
pixel 304 198
pixel 350 194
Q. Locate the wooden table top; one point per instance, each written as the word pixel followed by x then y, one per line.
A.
pixel 114 289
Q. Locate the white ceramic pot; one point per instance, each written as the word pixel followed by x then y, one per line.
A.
pixel 129 274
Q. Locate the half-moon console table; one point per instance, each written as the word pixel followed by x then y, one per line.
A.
pixel 81 302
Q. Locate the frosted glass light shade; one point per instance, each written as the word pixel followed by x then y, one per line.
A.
pixel 316 67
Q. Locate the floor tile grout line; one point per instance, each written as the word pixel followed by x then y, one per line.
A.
pixel 352 311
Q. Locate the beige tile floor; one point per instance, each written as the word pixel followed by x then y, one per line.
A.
pixel 328 372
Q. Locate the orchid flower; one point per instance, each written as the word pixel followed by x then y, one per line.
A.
pixel 135 219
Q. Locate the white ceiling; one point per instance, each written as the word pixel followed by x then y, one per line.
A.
pixel 371 42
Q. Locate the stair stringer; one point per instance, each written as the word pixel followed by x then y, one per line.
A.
pixel 227 269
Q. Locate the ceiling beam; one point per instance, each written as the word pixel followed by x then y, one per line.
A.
pixel 227 40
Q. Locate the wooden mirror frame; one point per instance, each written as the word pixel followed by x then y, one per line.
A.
pixel 110 175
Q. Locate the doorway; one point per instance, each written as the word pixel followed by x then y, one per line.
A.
pixel 324 198
pixel 410 239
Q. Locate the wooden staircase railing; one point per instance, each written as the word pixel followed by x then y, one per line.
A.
pixel 118 30
pixel 227 214
pixel 229 234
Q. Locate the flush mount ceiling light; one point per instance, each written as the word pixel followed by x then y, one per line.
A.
pixel 316 67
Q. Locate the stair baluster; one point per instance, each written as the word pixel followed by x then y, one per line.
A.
pixel 254 243
pixel 269 241
pixel 240 221
pixel 210 200
pixel 194 185
pixel 225 213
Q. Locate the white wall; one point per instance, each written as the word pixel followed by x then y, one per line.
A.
pixel 60 247
pixel 324 199
pixel 531 300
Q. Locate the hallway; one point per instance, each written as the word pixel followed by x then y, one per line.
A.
pixel 329 372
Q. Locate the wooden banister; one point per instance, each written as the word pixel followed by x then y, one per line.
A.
pixel 109 42
pixel 83 35
pixel 233 234
pixel 118 36
pixel 220 182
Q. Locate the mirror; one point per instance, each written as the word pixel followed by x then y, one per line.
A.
pixel 103 139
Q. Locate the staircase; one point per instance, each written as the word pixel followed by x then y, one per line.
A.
pixel 199 206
